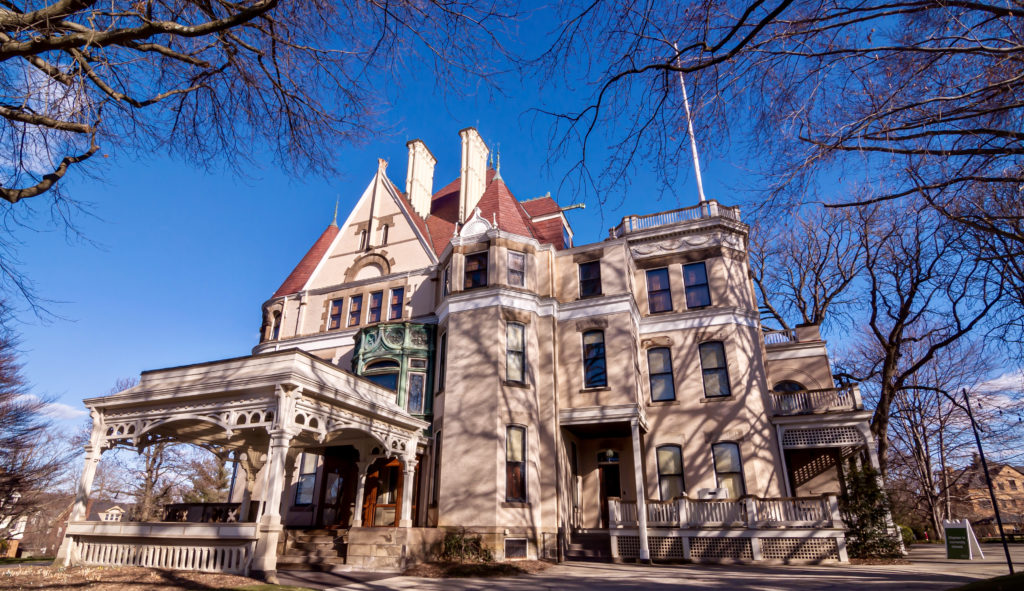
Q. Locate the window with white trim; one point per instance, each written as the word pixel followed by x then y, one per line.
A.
pixel 516 268
pixel 515 352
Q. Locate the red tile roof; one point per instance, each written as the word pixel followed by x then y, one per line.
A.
pixel 496 204
pixel 301 273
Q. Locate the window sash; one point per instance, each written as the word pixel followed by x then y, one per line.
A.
pixel 335 314
pixel 517 269
pixel 397 301
pixel 515 352
pixel 695 281
pixel 515 463
pixel 714 369
pixel 659 292
pixel 376 301
pixel 659 368
pixel 729 468
pixel 476 271
pixel 595 371
pixel 590 279
pixel 415 393
pixel 355 309
pixel 446 283
pixel 442 361
pixel 670 472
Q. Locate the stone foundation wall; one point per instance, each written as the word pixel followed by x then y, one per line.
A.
pixel 392 549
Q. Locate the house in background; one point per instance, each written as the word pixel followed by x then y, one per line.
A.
pixel 974 502
pixel 452 359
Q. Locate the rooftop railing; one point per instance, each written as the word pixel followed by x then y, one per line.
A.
pixel 707 209
pixel 804 402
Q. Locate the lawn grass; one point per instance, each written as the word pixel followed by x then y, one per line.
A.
pixel 20 560
pixel 1013 582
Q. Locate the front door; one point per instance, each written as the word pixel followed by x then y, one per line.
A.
pixel 383 496
pixel 338 488
pixel 610 487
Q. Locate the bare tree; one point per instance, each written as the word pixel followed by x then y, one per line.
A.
pixel 891 99
pixel 804 266
pixel 923 293
pixel 31 457
pixel 203 79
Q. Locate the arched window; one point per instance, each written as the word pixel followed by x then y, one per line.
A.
pixel 788 386
pixel 383 373
pixel 595 371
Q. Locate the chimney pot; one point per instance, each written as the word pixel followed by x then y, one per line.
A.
pixel 473 173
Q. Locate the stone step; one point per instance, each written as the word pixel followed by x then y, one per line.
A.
pixel 316 539
pixel 326 552
pixel 318 563
pixel 304 545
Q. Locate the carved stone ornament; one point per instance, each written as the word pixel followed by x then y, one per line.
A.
pixel 418 337
pixel 394 336
pixel 685 243
pixel 475 226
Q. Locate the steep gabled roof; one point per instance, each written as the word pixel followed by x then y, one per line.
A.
pixel 302 272
pixel 497 205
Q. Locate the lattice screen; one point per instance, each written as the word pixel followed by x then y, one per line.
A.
pixel 794 549
pixel 721 549
pixel 665 548
pixel 822 437
pixel 628 546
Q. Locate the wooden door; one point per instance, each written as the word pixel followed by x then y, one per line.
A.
pixel 610 487
pixel 382 504
pixel 338 488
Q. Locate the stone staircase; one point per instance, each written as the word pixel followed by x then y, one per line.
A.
pixel 313 549
pixel 590 547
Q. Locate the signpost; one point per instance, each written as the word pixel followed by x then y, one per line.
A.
pixel 961 543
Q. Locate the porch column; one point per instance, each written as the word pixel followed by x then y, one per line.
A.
pixel 409 477
pixel 641 492
pixel 289 473
pixel 363 466
pixel 93 453
pixel 265 558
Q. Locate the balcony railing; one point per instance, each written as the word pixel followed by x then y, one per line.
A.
pixel 805 402
pixel 748 512
pixel 780 337
pixel 707 209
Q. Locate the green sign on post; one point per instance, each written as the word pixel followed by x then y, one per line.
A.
pixel 958 546
pixel 961 543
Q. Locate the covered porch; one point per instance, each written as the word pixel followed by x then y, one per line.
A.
pixel 263 411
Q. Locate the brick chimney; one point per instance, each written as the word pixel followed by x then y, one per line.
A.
pixel 419 180
pixel 473 174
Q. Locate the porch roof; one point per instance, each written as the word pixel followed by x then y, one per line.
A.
pixel 288 389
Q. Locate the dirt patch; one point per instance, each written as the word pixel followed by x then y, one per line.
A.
pixel 97 578
pixel 442 570
pixel 879 561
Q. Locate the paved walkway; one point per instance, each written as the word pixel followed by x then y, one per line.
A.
pixel 929 571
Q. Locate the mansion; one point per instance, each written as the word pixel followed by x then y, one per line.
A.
pixel 451 359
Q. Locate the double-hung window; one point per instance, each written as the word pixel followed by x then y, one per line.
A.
pixel 713 369
pixel 376 300
pixel 516 269
pixel 355 310
pixel 670 472
pixel 729 469
pixel 515 464
pixel 595 372
pixel 307 479
pixel 476 270
pixel 397 301
pixel 446 281
pixel 515 352
pixel 334 316
pixel 659 295
pixel 659 366
pixel 695 278
pixel 442 361
pixel 590 279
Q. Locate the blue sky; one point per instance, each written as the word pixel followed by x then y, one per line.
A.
pixel 185 257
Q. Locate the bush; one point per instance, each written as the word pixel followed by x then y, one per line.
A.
pixel 909 537
pixel 458 546
pixel 866 510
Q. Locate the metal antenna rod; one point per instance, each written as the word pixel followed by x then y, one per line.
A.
pixel 689 127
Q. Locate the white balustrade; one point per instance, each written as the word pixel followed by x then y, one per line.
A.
pixel 749 512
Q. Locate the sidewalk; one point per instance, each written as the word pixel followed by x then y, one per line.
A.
pixel 929 570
